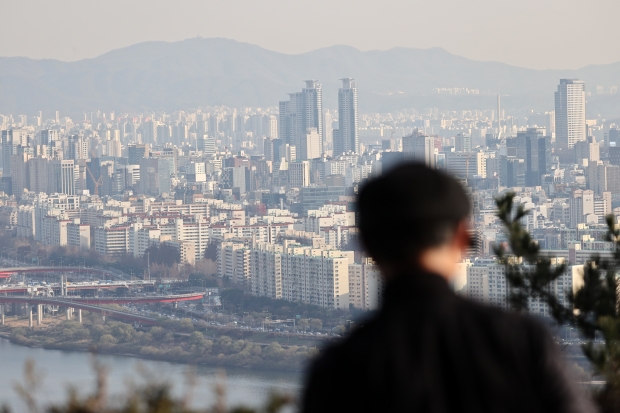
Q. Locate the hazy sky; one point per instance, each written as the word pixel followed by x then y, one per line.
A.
pixel 541 34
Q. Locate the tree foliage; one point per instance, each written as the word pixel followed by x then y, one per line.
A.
pixel 211 251
pixel 239 301
pixel 163 254
pixel 152 397
pixel 593 308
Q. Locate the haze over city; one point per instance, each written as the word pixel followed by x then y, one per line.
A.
pixel 358 205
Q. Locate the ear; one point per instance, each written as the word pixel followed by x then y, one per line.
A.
pixel 462 237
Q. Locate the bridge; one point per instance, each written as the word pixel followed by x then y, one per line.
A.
pixel 110 273
pixel 92 304
pixel 35 289
pixel 142 299
pixel 71 305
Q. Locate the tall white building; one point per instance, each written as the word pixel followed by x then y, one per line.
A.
pixel 570 113
pixel 346 138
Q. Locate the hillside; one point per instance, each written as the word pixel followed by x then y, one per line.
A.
pixel 200 72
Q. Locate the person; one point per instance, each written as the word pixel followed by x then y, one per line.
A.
pixel 428 349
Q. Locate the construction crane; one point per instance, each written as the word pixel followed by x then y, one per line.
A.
pixel 96 182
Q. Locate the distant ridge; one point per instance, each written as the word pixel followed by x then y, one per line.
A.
pixel 207 72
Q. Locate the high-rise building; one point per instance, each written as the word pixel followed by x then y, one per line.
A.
pixel 310 145
pixel 570 113
pixel 534 148
pixel 62 177
pixel 136 152
pixel 303 110
pixel 11 140
pixel 270 126
pixel 149 132
pixel 179 134
pixel 613 137
pixel 236 178
pixel 48 136
pixel 38 175
pixel 299 174
pixel 462 143
pixel 155 176
pixel 19 173
pixel 268 147
pixel 77 148
pixel 313 108
pixel 466 164
pixel 287 119
pixel 196 172
pixel 164 133
pixel 346 139
pixel 419 148
pixel 214 125
pixel 113 148
pixel 581 204
pixel 206 144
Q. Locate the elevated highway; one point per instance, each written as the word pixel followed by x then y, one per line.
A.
pixel 92 304
pixel 37 289
pixel 109 273
pixel 122 315
pixel 65 301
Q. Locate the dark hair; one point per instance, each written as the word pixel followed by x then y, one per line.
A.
pixel 409 209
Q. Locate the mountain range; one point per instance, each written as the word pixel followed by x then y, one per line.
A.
pixel 197 72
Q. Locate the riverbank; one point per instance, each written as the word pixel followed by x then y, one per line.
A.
pixel 59 371
pixel 187 346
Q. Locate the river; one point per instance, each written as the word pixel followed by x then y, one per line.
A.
pixel 61 369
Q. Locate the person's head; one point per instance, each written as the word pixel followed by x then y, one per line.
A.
pixel 413 214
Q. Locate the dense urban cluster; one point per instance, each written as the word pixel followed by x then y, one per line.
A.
pixel 275 187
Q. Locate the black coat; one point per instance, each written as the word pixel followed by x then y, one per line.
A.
pixel 429 350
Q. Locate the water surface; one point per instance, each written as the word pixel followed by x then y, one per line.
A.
pixel 61 369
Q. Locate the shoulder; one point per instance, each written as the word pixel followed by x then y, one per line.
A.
pixel 497 316
pixel 339 369
pixel 519 331
pixel 349 348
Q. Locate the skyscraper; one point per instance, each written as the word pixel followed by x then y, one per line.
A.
pixel 313 108
pixel 534 148
pixel 303 111
pixel 62 177
pixel 347 139
pixel 12 139
pixel 570 113
pixel 155 176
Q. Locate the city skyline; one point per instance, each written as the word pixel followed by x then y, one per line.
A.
pixel 220 72
pixel 204 182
